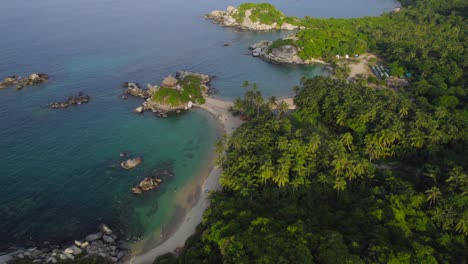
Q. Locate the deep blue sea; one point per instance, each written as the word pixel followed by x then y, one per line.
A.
pixel 60 174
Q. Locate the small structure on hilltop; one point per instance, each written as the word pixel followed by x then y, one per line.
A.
pixel 170 82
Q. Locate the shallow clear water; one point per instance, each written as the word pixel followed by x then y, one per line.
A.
pixel 60 175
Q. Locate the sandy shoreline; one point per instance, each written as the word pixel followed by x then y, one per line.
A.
pixel 220 109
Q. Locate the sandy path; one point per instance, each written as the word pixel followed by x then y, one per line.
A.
pixel 220 109
pixel 361 67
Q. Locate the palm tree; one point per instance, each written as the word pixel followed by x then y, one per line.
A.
pixel 245 84
pixel 433 195
pixel 283 107
pixel 296 89
pixel 347 139
pixel 462 226
pixel 238 104
pixel 272 102
pixel 258 102
pixel 340 184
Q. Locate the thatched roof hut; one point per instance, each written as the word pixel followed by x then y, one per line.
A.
pixel 169 82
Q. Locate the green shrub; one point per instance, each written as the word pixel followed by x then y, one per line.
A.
pixel 193 91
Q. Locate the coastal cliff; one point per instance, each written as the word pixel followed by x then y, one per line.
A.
pixel 280 54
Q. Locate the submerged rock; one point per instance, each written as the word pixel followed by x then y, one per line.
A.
pixel 131 163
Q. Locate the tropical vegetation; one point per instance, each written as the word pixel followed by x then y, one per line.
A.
pixel 355 174
pixel 264 13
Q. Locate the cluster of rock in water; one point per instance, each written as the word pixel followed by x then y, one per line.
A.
pixel 102 244
pixel 71 100
pixel 161 110
pixel 20 83
pixel 148 183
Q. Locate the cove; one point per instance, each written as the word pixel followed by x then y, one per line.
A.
pixel 60 175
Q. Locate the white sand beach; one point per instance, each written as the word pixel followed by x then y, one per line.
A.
pixel 193 218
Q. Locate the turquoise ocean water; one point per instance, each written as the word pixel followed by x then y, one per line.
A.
pixel 60 174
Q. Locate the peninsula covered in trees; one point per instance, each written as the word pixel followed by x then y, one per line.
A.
pixel 355 174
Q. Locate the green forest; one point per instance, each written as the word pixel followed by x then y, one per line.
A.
pixel 355 174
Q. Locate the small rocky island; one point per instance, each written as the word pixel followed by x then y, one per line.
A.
pixel 31 80
pixel 255 17
pixel 71 100
pixel 131 163
pixel 147 184
pixel 174 94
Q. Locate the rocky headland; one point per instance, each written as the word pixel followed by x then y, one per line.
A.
pixel 174 94
pixel 103 244
pixel 20 83
pixel 281 54
pixel 254 17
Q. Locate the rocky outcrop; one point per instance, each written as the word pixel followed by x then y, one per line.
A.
pixel 131 163
pixel 33 79
pixel 71 100
pixel 102 244
pixel 204 78
pixel 147 184
pixel 134 89
pixel 285 54
pixel 8 81
pixel 228 19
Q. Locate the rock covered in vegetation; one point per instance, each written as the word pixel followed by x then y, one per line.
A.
pixel 71 100
pixel 283 54
pixel 33 79
pixel 131 163
pixel 174 95
pixel 255 17
pixel 101 246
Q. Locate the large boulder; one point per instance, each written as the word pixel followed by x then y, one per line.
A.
pixel 139 110
pixel 93 237
pixel 131 163
pixel 8 81
pixel 105 229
